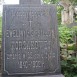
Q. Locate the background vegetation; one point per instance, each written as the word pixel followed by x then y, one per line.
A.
pixel 68 42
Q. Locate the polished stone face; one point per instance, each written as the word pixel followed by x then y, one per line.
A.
pixel 30 42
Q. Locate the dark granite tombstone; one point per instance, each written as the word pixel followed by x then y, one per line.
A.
pixel 30 40
pixel 30 2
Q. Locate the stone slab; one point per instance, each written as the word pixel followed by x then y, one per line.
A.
pixel 72 24
pixel 37 76
pixel 30 40
pixel 30 2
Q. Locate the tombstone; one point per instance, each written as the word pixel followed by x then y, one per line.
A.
pixel 30 43
pixel 30 2
pixel 72 24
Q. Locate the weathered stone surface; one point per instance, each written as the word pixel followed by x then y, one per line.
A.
pixel 30 41
pixel 37 76
pixel 30 1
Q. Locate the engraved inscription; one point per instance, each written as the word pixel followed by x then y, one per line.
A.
pixel 28 41
pixel 25 33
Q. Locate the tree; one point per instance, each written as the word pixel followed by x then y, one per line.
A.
pixel 68 11
pixel 74 2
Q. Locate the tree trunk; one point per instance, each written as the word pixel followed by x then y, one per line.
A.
pixel 67 13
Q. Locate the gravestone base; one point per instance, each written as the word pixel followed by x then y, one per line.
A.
pixel 60 75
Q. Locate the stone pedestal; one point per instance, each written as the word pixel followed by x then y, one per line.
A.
pixel 37 76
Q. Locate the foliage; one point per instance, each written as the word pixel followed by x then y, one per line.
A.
pixel 51 1
pixel 74 2
pixel 72 47
pixel 59 9
pixel 69 67
pixel 74 29
pixel 65 34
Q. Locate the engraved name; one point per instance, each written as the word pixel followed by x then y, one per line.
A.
pixel 26 33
